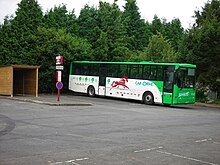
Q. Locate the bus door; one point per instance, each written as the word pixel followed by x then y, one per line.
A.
pixel 185 86
pixel 102 79
pixel 168 85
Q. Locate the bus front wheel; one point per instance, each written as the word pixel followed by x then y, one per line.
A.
pixel 91 91
pixel 148 98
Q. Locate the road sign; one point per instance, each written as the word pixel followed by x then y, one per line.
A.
pixel 59 60
pixel 59 85
pixel 59 76
pixel 59 67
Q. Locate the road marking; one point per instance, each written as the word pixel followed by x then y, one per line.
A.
pixel 56 163
pixel 73 161
pixel 82 159
pixel 203 140
pixel 69 161
pixel 206 140
pixel 184 157
pixel 216 142
pixel 149 149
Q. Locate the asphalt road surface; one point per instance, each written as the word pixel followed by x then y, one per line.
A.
pixel 111 132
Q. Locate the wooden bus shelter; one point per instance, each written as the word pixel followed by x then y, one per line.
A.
pixel 19 80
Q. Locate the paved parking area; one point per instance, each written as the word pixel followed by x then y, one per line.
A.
pixel 110 132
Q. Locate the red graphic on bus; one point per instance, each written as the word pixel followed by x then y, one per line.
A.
pixel 121 82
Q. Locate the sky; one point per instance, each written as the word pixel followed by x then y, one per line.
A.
pixel 168 9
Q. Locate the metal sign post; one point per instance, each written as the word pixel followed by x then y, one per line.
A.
pixel 59 86
pixel 59 68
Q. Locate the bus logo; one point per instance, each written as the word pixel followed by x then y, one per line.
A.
pixel 121 82
pixel 184 94
pixel 144 83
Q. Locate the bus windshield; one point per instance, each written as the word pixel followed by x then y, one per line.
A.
pixel 186 78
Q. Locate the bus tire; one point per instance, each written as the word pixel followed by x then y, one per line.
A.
pixel 91 91
pixel 148 98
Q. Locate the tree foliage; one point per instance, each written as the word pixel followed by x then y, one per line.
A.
pixel 202 45
pixel 47 44
pixel 17 31
pixel 158 50
pixel 135 26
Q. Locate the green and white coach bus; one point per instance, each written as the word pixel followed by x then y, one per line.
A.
pixel 166 83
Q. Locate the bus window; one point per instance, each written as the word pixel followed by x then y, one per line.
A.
pixel 85 69
pixel 76 69
pixel 123 71
pixel 153 73
pixel 140 74
pixel 186 78
pixel 94 71
pixel 160 72
pixel 146 72
pixel 135 71
pixel 112 70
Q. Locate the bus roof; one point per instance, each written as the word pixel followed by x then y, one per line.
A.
pixel 136 63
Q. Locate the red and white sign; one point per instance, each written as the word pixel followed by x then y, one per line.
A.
pixel 58 76
pixel 59 60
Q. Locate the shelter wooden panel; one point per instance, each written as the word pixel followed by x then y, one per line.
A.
pixel 19 80
pixel 6 80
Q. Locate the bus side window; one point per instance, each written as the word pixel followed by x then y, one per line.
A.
pixel 146 72
pixel 133 71
pixel 94 70
pixel 85 69
pixel 140 73
pixel 112 70
pixel 160 72
pixel 153 73
pixel 77 69
pixel 123 71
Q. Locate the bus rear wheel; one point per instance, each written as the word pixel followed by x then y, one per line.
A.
pixel 148 98
pixel 91 91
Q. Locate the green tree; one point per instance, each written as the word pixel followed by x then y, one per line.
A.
pixel 174 32
pixel 47 44
pixel 7 41
pixel 28 18
pixel 72 24
pixel 158 50
pixel 201 45
pixel 135 26
pixel 88 25
pixel 117 38
pixel 56 17
pixel 157 25
pixel 59 17
pixel 101 50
